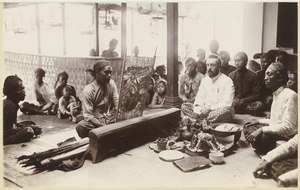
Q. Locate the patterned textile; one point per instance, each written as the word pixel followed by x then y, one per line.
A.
pixel 189 87
pixel 220 115
pixel 215 116
pixel 187 109
pixel 283 166
pixel 253 108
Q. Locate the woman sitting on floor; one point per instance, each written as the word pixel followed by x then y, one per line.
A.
pixel 67 106
pixel 14 132
pixel 44 96
pixel 159 96
pixel 61 82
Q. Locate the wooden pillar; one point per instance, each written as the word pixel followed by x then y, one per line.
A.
pixel 123 29
pixel 172 97
pixel 97 28
pixel 63 15
pixel 38 27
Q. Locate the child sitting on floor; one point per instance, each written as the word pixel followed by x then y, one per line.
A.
pixel 67 106
pixel 159 96
pixel 46 101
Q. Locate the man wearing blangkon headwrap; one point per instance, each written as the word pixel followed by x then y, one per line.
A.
pixel 100 99
pixel 284 111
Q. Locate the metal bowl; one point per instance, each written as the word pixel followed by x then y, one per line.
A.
pixel 237 134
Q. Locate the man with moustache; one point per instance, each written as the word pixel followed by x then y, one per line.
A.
pixel 247 87
pixel 284 110
pixel 214 98
pixel 100 100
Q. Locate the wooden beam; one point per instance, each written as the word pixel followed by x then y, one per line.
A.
pixel 97 28
pixel 123 29
pixel 172 97
pixel 113 139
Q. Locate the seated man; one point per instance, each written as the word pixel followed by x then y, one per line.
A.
pixel 225 67
pixel 14 132
pixel 283 120
pixel 215 95
pixel 286 170
pixel 100 100
pixel 246 87
pixel 110 52
pixel 265 93
pixel 44 96
pixel 190 82
pixel 201 67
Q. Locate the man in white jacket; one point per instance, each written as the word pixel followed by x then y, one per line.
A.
pixel 215 95
pixel 284 110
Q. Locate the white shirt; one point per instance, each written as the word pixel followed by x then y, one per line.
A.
pixel 283 151
pixel 284 113
pixel 214 93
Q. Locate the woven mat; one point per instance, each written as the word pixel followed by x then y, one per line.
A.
pixel 54 131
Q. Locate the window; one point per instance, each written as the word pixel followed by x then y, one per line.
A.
pixel 20 29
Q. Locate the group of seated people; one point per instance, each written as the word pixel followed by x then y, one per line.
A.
pixel 60 100
pixel 220 92
pixel 211 95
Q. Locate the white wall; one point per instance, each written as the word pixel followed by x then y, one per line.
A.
pixel 252 28
pixel 270 26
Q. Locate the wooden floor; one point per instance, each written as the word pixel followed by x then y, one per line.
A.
pixel 139 167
